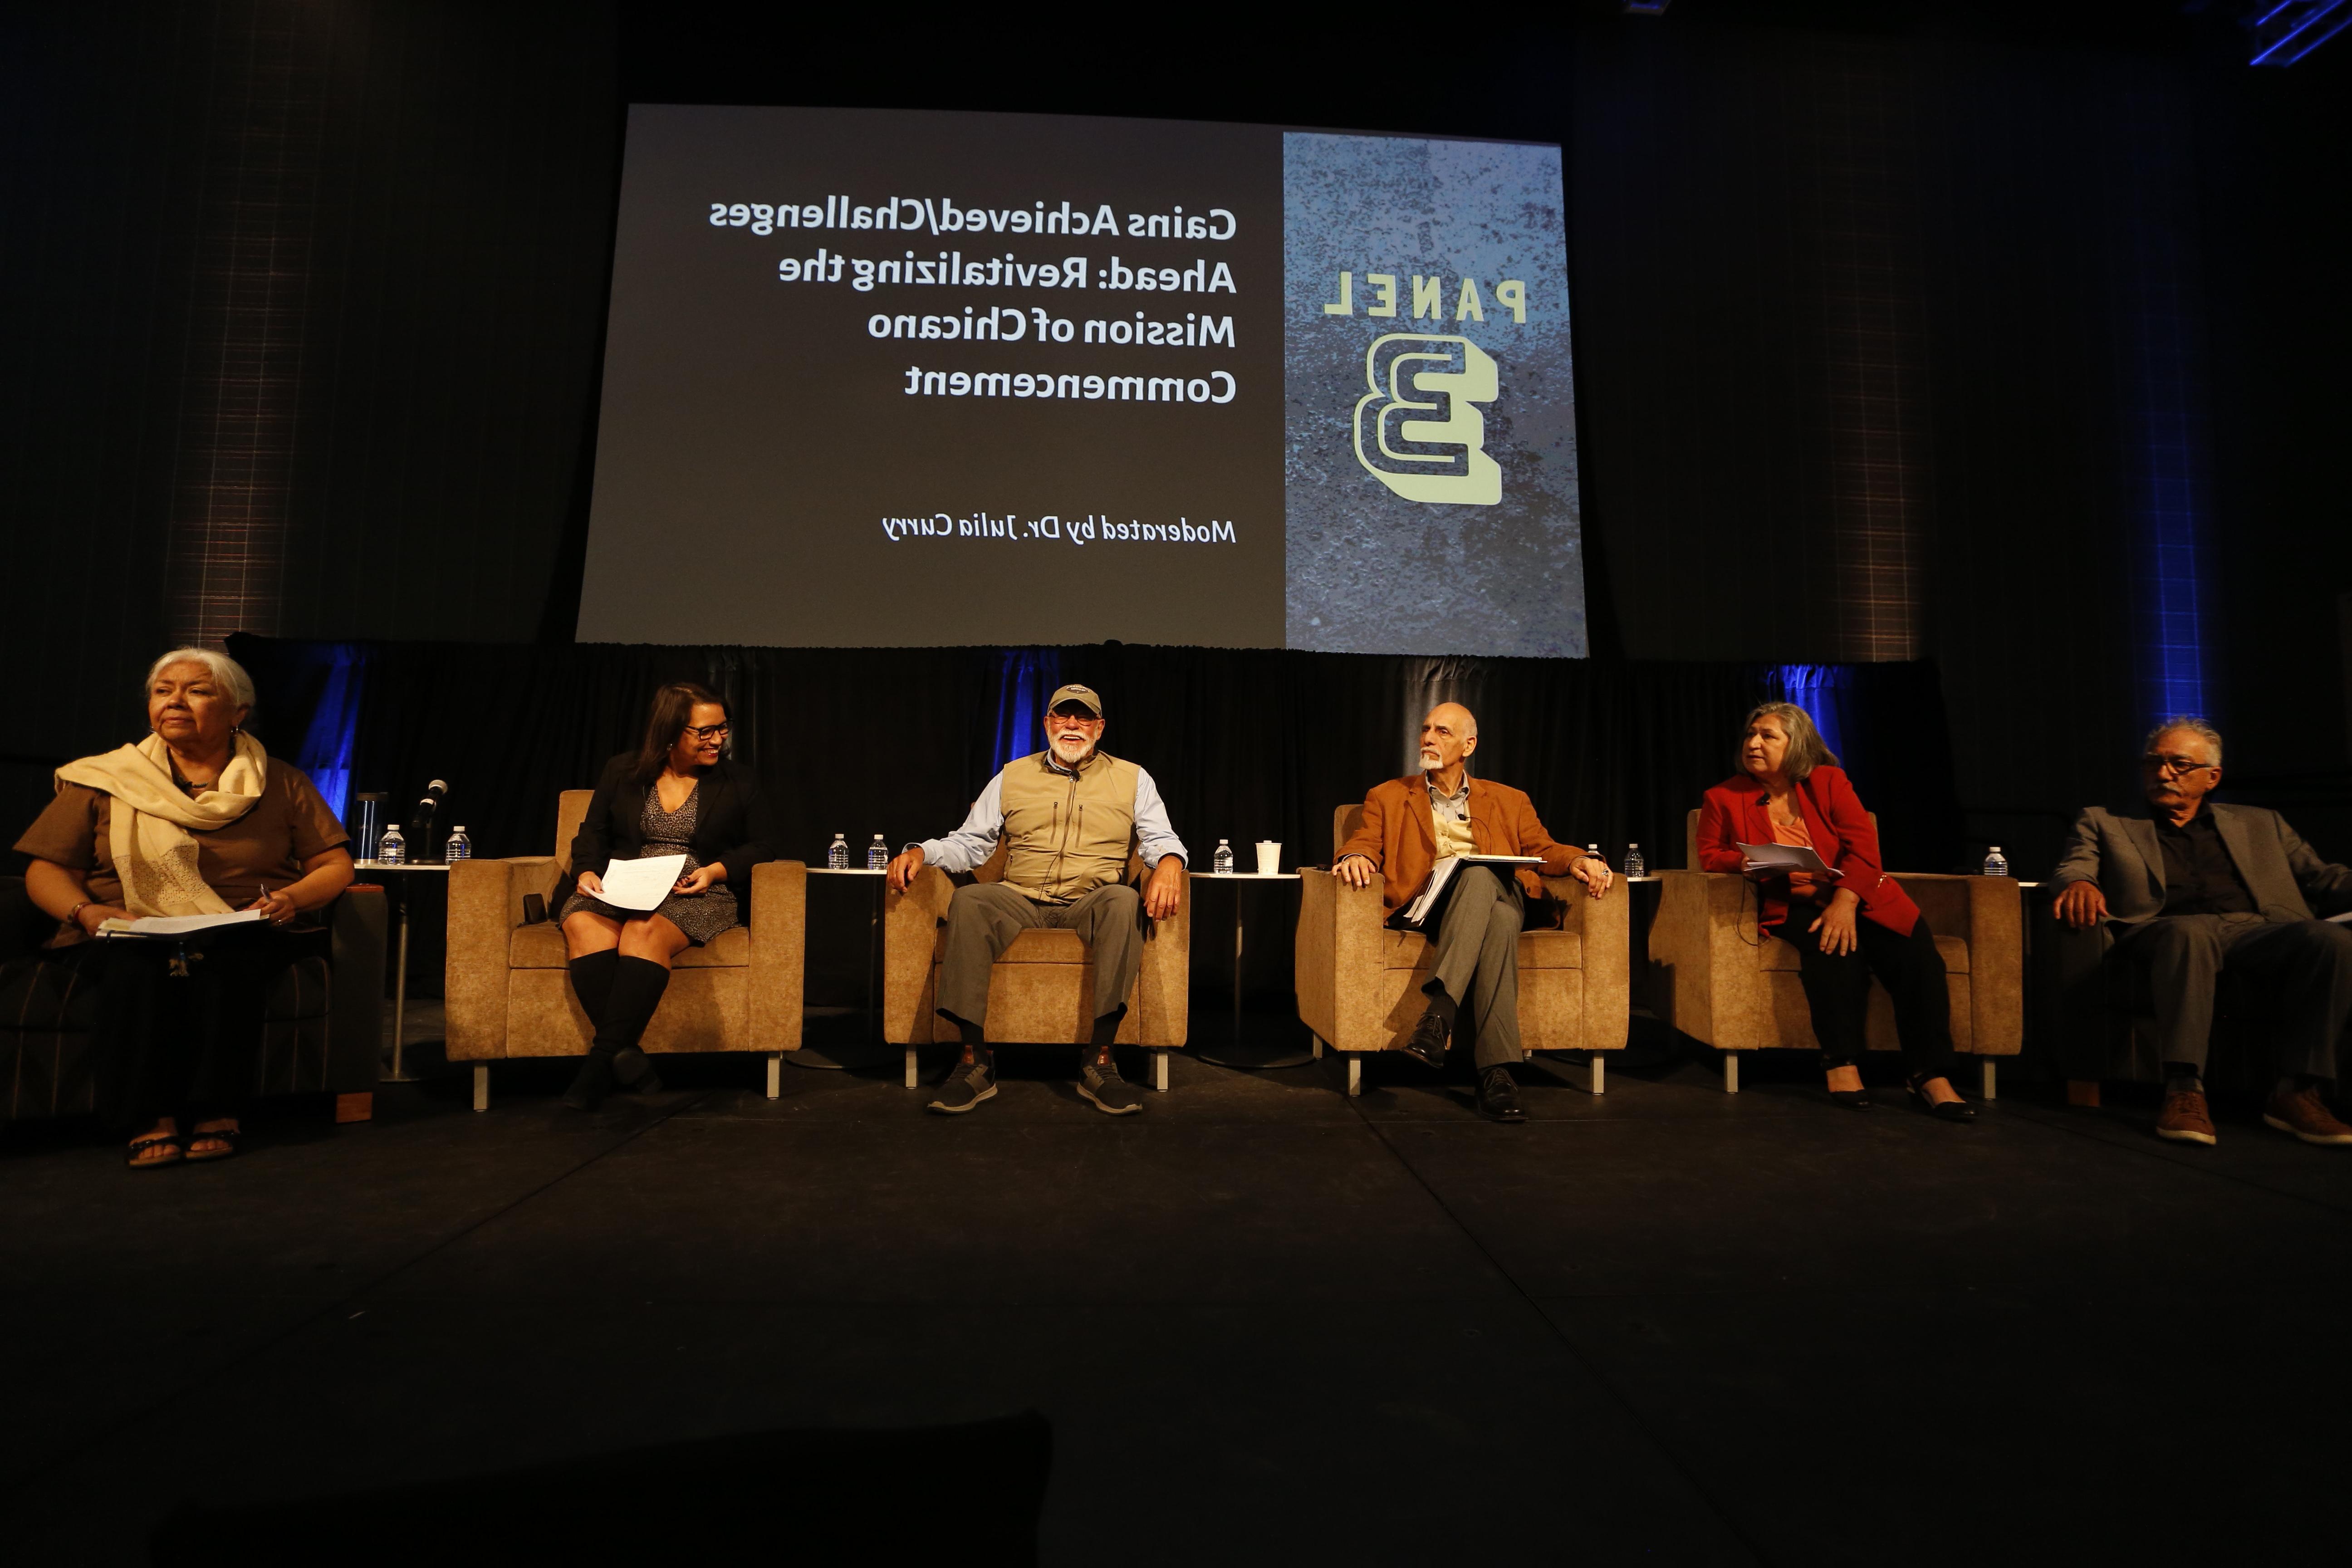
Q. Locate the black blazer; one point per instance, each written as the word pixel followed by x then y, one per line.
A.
pixel 732 826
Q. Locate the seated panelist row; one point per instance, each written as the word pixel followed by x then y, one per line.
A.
pixel 198 819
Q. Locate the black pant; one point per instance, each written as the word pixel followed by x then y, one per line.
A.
pixel 1838 991
pixel 176 1045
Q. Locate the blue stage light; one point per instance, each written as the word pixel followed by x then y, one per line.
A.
pixel 2285 32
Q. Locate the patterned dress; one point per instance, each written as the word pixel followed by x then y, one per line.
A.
pixel 701 916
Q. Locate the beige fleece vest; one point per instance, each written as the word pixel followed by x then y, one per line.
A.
pixel 1064 836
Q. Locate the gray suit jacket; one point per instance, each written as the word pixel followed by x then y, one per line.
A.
pixel 2121 854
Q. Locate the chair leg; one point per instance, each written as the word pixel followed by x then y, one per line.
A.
pixel 775 1075
pixel 1596 1074
pixel 911 1066
pixel 1355 1074
pixel 1319 1046
pixel 1987 1064
pixel 1730 1072
pixel 1159 1070
pixel 481 1086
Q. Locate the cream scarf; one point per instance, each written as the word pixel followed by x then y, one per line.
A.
pixel 150 823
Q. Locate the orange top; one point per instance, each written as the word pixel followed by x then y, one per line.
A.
pixel 1800 883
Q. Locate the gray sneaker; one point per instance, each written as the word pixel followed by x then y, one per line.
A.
pixel 970 1083
pixel 1112 1095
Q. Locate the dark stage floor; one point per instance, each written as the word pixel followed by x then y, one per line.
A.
pixel 1267 1324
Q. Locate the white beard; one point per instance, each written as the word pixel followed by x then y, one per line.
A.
pixel 1068 755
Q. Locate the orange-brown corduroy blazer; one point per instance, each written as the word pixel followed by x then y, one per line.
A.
pixel 1399 836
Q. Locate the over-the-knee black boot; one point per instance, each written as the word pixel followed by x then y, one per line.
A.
pixel 638 987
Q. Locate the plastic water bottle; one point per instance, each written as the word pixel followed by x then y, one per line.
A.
pixel 1634 863
pixel 836 856
pixel 393 849
pixel 1996 863
pixel 1221 864
pixel 878 855
pixel 459 846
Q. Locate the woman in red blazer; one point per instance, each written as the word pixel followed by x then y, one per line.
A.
pixel 1789 790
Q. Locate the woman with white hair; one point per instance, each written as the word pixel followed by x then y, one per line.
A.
pixel 1847 926
pixel 196 819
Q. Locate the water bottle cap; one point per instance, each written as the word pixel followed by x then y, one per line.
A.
pixel 459 829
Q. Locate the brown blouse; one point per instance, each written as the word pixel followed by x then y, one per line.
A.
pixel 262 850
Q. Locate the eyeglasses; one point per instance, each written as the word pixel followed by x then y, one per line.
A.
pixel 708 732
pixel 1080 714
pixel 2156 761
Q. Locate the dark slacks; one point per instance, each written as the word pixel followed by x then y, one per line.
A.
pixel 984 917
pixel 2295 973
pixel 1837 991
pixel 1475 941
pixel 184 1045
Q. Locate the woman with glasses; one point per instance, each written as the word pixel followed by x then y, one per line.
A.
pixel 675 795
pixel 1847 926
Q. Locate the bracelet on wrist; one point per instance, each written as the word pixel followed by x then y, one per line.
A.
pixel 73 916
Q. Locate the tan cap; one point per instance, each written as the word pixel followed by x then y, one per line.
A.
pixel 1083 695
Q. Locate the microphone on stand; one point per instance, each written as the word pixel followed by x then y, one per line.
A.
pixel 420 820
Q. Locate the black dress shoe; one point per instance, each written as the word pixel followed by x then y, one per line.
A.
pixel 1499 1095
pixel 1427 1040
pixel 1942 1110
pixel 1851 1098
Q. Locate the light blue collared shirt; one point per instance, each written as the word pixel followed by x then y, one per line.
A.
pixel 975 841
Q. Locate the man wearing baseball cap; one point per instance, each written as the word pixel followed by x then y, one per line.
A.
pixel 1066 814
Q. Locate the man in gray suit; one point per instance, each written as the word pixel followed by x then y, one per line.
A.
pixel 2194 889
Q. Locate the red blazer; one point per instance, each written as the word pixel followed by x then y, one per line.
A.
pixel 1733 814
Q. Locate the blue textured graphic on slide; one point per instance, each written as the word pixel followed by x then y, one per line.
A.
pixel 1430 412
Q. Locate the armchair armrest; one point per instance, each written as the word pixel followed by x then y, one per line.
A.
pixel 1989 915
pixel 779 952
pixel 1335 958
pixel 910 939
pixel 356 926
pixel 1705 939
pixel 1606 926
pixel 485 906
pixel 1163 984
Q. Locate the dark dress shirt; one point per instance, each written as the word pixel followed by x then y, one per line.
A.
pixel 2200 879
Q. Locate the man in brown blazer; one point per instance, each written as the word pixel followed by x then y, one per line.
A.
pixel 2193 891
pixel 1411 823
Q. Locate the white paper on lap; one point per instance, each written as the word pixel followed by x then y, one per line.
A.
pixel 176 925
pixel 641 884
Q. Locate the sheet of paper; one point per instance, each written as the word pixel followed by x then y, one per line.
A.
pixel 641 884
pixel 1439 875
pixel 1788 856
pixel 177 925
pixel 2344 919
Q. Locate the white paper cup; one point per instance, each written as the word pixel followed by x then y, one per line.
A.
pixel 1269 857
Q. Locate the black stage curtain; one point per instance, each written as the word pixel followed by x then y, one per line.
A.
pixel 1244 743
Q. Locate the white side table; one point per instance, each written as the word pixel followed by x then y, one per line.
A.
pixel 400 1073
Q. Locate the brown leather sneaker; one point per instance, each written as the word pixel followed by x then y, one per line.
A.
pixel 2184 1119
pixel 2306 1115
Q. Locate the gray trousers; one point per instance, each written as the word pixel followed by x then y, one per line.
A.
pixel 2296 973
pixel 1476 949
pixel 984 917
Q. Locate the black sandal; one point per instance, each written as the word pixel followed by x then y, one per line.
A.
pixel 228 1135
pixel 1941 1109
pixel 139 1145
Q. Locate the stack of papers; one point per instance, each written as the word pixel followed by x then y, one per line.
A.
pixel 176 925
pixel 1442 873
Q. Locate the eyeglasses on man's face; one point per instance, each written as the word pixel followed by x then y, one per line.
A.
pixel 701 733
pixel 2159 761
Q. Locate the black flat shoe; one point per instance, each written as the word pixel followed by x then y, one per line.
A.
pixel 1426 1044
pixel 1850 1098
pixel 1946 1111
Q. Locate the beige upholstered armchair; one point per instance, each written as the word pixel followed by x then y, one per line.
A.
pixel 509 994
pixel 1360 982
pixel 1720 979
pixel 1038 991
